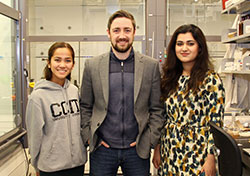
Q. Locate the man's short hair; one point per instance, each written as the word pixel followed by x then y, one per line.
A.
pixel 120 14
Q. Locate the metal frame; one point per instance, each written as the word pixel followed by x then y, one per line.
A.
pixel 82 38
pixel 155 28
pixel 9 12
pixel 76 38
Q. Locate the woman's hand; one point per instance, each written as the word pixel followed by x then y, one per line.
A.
pixel 157 157
pixel 209 166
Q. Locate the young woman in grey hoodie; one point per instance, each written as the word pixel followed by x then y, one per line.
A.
pixel 53 118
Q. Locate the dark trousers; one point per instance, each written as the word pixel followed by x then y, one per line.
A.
pixel 76 171
pixel 105 162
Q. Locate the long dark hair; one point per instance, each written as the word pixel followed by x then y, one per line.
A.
pixel 172 67
pixel 47 71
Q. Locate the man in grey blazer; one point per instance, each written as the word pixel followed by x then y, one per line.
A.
pixel 120 104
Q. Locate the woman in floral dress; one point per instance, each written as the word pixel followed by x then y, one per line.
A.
pixel 194 95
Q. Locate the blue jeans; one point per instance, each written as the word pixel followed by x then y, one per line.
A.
pixel 105 162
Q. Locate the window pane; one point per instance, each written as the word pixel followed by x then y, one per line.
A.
pixel 206 15
pixel 89 17
pixel 8 74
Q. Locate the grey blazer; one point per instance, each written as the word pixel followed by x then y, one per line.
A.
pixel 147 107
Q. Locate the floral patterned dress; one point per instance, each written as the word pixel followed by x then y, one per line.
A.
pixel 186 140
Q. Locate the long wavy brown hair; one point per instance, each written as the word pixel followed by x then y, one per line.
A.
pixel 172 67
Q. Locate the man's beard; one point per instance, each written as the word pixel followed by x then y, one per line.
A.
pixel 121 50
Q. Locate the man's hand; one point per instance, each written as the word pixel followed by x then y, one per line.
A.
pixel 133 144
pixel 104 144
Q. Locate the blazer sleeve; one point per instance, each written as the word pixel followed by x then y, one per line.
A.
pixel 86 102
pixel 156 108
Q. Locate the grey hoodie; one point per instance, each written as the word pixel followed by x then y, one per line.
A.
pixel 53 127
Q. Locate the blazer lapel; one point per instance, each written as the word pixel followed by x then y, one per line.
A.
pixel 104 74
pixel 139 66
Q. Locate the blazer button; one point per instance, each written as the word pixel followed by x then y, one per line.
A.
pixel 98 124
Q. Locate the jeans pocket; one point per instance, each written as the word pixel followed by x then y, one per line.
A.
pixel 98 146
